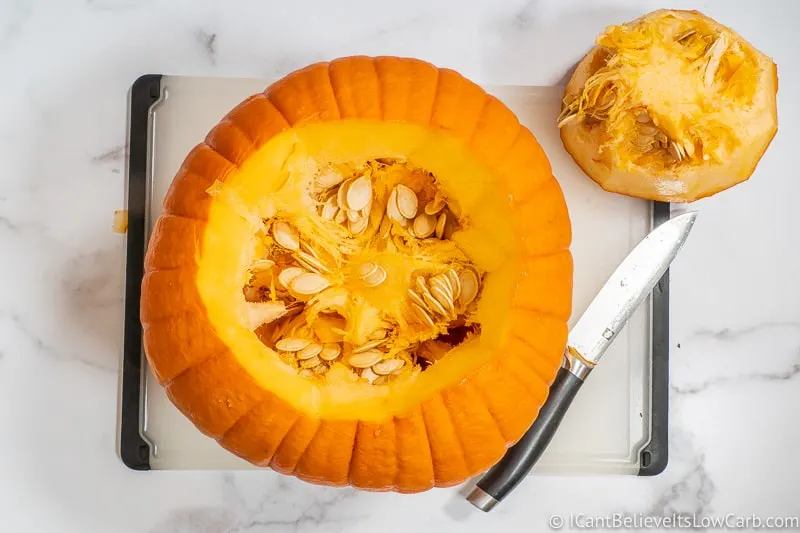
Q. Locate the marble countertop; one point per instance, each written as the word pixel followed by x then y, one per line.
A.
pixel 67 66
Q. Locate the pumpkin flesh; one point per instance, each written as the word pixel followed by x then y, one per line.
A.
pixel 272 181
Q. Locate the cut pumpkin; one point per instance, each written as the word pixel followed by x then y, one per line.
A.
pixel 362 277
pixel 671 107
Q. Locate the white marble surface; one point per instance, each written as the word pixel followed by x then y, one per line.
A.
pixel 66 68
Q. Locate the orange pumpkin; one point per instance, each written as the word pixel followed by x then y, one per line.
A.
pixel 437 409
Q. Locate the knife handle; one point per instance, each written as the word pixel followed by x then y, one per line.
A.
pixel 503 477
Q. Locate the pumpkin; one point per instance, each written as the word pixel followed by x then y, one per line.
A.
pixel 362 277
pixel 671 107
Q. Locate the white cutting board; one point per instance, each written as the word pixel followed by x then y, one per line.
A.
pixel 607 425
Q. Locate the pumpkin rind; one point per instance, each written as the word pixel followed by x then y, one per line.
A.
pixel 327 457
pixel 458 105
pixel 449 436
pixel 294 444
pixel 374 462
pixel 449 464
pixel 257 434
pixel 414 462
pixel 356 87
pixel 215 393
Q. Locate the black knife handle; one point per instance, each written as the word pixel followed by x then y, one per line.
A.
pixel 503 477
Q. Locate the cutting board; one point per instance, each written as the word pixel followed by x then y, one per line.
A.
pixel 617 425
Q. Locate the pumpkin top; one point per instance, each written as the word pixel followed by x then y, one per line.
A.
pixel 673 95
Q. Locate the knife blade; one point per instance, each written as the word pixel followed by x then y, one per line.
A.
pixel 588 340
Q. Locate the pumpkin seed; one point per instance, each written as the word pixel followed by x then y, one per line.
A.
pixel 441 281
pixel 330 209
pixel 359 225
pixel 567 118
pixel 376 279
pixel 259 313
pixel 688 148
pixel 417 299
pixel 352 215
pixel 444 299
pixel 364 359
pixel 714 57
pixel 309 351
pixel 359 193
pixel 676 151
pixel 371 274
pixel 307 248
pixel 341 194
pixel 285 235
pixel 330 352
pixel 440 225
pixel 294 309
pixel 365 270
pixel 387 366
pixel 367 209
pixel 369 375
pixel 311 263
pixel 455 284
pixel 469 287
pixel 434 206
pixel 422 286
pixel 262 265
pixel 407 203
pixel 340 217
pixel 433 303
pixel 310 362
pixel 306 373
pixel 378 334
pixel 307 266
pixel 398 242
pixel 392 211
pixel 291 344
pixel 309 283
pixel 423 315
pixel 685 35
pixel 369 346
pixel 329 179
pixel 288 274
pixel 424 225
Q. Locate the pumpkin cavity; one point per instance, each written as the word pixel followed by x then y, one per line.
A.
pixel 378 290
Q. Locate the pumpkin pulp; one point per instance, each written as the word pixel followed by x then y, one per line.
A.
pixel 375 289
pixel 275 181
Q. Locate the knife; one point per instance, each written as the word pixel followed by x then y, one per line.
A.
pixel 588 340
